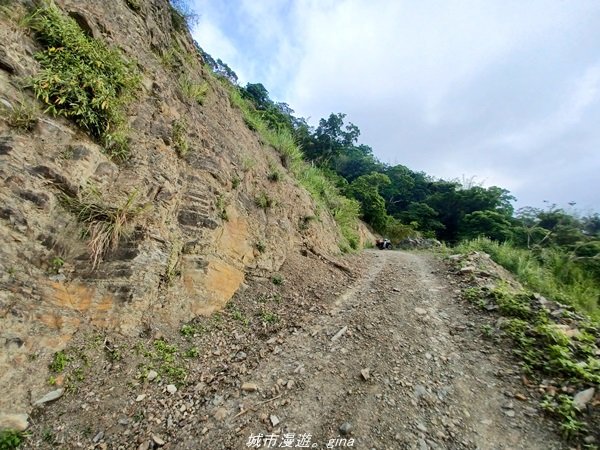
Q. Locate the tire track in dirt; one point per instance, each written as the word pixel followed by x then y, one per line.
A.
pixel 429 384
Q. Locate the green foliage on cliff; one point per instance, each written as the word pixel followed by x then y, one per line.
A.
pixel 82 78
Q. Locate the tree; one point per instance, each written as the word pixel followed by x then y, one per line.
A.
pixel 354 161
pixel 365 189
pixel 423 215
pixel 488 223
pixel 330 137
pixel 258 94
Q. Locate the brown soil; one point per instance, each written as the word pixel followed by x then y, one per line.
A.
pixel 410 370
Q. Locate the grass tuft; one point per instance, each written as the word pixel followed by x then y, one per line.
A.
pixel 193 90
pixel 105 225
pixel 22 116
pixel 179 137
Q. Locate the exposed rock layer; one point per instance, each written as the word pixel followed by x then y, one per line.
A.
pixel 201 231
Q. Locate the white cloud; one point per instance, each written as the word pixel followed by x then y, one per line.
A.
pixel 582 95
pixel 503 89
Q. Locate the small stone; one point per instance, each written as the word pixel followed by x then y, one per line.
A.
pixel 290 384
pixel 220 413
pixel 124 421
pixel 420 391
pixel 366 374
pixel 58 277
pixel 50 396
pixel 509 412
pixel 274 420
pixel 18 422
pixel 152 374
pixel 157 440
pixel 583 397
pixel 99 436
pixel 521 397
pixel 171 388
pixel 144 445
pixel 339 334
pixel 140 397
pixel 421 311
pixel 421 427
pixel 249 387
pixel 589 439
pixel 345 428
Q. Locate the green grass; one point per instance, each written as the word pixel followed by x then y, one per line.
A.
pixel 180 141
pixel 82 78
pixel 547 351
pixel 22 116
pixel 264 201
pixel 274 176
pixel 168 360
pixel 105 224
pixel 59 362
pixel 10 439
pixel 260 246
pixel 269 317
pixel 551 273
pixel 193 90
pixel 322 189
pixel 189 330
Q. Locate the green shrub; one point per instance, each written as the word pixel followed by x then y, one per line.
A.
pixel 82 78
pixel 59 362
pixel 551 272
pixel 10 439
pixel 182 16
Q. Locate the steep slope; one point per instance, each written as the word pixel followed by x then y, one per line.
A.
pixel 198 209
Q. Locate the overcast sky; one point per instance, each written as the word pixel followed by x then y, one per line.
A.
pixel 504 91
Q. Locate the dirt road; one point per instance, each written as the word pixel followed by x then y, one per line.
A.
pixel 390 359
pixel 396 363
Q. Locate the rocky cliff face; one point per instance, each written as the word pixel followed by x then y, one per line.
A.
pixel 197 230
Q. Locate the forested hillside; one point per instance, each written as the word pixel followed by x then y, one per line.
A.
pixel 399 202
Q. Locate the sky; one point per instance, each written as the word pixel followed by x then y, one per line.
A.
pixel 504 93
